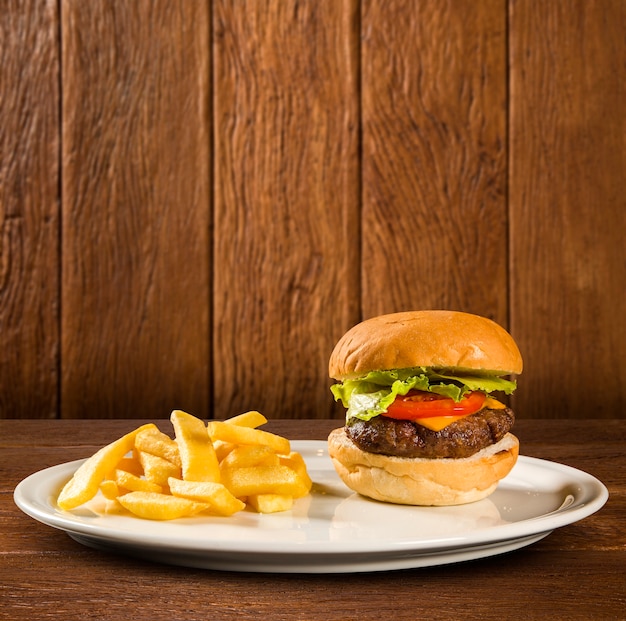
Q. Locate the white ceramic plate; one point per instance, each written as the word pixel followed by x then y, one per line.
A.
pixel 332 529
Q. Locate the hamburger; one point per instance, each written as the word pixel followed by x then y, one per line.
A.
pixel 423 426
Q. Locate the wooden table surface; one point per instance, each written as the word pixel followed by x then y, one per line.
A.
pixel 577 572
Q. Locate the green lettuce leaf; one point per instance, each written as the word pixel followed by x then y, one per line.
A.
pixel 371 395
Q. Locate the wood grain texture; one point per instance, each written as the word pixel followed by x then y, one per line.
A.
pixel 136 205
pixel 568 206
pixel 286 207
pixel 29 209
pixel 434 157
pixel 198 198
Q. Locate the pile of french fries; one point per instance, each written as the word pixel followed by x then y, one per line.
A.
pixel 217 468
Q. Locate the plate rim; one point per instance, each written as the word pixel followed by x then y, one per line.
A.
pixel 593 495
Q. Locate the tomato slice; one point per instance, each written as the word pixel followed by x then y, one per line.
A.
pixel 421 404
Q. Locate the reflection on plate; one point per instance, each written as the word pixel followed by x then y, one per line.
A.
pixel 333 529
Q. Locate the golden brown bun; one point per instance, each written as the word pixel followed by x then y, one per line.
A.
pixel 437 482
pixel 424 339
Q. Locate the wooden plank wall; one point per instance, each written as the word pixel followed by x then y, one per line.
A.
pixel 198 198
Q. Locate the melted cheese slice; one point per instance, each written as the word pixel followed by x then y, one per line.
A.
pixel 493 404
pixel 437 423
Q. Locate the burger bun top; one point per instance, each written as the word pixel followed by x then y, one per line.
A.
pixel 427 338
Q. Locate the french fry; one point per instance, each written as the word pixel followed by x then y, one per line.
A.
pixel 110 490
pixel 220 430
pixel 251 419
pixel 154 506
pixel 84 485
pixel 222 449
pixel 198 458
pixel 157 469
pixel 252 480
pixel 130 464
pixel 158 443
pixel 250 455
pixel 295 461
pixel 214 494
pixel 270 503
pixel 133 483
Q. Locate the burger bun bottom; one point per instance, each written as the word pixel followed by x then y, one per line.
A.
pixel 425 482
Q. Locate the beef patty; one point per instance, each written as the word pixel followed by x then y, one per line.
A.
pixel 403 438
